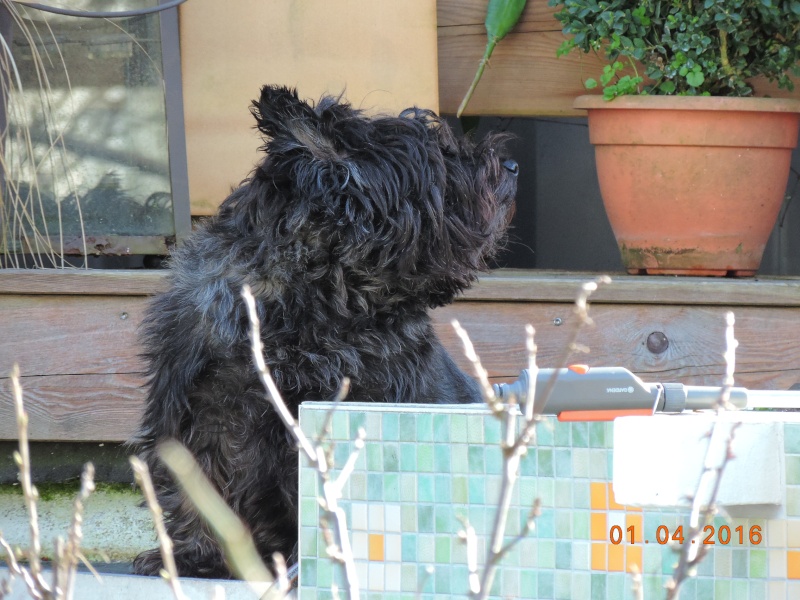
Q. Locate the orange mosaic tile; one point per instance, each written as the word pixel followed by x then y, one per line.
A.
pixel 598 527
pixel 598 495
pixel 616 557
pixel 633 556
pixel 375 546
pixel 599 557
pixel 793 564
pixel 637 522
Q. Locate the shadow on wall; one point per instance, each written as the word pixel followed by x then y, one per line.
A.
pixel 560 221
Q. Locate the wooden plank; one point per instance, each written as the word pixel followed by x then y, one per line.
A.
pixel 82 380
pixel 103 408
pixel 537 16
pixel 501 285
pixel 82 281
pixel 524 77
pixel 70 335
pixel 542 286
pixel 768 356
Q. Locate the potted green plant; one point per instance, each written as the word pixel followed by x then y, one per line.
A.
pixel 692 167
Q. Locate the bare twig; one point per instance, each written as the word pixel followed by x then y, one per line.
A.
pixel 170 572
pixel 704 501
pixel 68 563
pixel 319 457
pixel 513 445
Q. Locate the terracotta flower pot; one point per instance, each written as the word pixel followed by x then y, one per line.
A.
pixel 692 185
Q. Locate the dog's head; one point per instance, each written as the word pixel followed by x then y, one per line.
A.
pixel 397 207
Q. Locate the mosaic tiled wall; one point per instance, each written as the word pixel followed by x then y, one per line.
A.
pixel 425 468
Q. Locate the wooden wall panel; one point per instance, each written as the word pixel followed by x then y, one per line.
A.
pixel 82 377
pixel 382 53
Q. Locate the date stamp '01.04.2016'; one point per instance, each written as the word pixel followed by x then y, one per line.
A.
pixel 711 535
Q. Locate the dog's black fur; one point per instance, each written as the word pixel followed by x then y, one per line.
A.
pixel 347 232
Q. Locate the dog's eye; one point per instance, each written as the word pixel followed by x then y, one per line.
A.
pixel 511 166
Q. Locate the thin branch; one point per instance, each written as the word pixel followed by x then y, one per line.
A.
pixel 145 482
pixel 269 383
pixel 704 500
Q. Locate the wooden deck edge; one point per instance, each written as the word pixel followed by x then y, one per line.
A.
pixel 505 285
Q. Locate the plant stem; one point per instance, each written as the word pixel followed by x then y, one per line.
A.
pixel 481 66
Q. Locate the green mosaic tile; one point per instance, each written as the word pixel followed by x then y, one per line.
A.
pixel 441 458
pixel 425 518
pixel 597 435
pixel 308 510
pixel 705 588
pixel 475 459
pixel 308 572
pixel 581 494
pixel 475 427
pixel 408 517
pixel 341 453
pixel 425 491
pixel 374 457
pixel 358 486
pixel 791 438
pixel 563 462
pixel 425 458
pixel 598 465
pixel 740 590
pixel 563 491
pixel 391 457
pixel 493 458
pixel 617 585
pixel 545 462
pixel 426 546
pixel 546 523
pixel 580 524
pixel 425 427
pixel 562 434
pixel 477 490
pixel 563 586
pixel 528 583
pixel 408 457
pixel 545 490
pixel 546 584
pixel 723 562
pixel 580 435
pixel 408 427
pixel 492 432
pixel 390 427
pixel 443 549
pixel 598 583
pixel 460 491
pixel 374 487
pixel 324 573
pixel 441 428
pixel 510 583
pixel 459 458
pixel 408 547
pixel 357 421
pixel 527 464
pixel 391 487
pixel 739 560
pixel 408 487
pixel 758 589
pixel 458 429
pixel 442 485
pixel 563 555
pixel 544 433
pixel 563 524
pixel 444 521
pixel 792 501
pixel 722 589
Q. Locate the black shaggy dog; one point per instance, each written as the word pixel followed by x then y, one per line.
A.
pixel 348 231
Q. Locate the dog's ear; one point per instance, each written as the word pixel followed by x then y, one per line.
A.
pixel 291 123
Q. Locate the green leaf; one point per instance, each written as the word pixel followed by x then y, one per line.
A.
pixel 590 84
pixel 695 78
pixel 668 86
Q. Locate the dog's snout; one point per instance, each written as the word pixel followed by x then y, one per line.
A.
pixel 511 166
